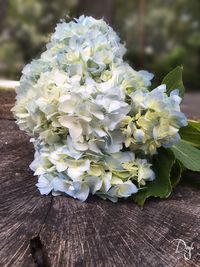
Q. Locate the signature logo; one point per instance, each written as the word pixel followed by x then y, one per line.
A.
pixel 183 248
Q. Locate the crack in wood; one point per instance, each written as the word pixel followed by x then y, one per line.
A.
pixel 38 252
pixel 46 215
pixel 37 248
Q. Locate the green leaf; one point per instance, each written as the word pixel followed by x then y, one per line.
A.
pixel 175 174
pixel 173 80
pixel 195 124
pixel 188 155
pixel 191 133
pixel 161 186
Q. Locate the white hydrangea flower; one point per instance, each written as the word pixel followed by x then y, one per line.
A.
pixel 67 80
pixel 129 79
pixel 155 120
pixel 90 113
pixel 114 176
pixel 45 184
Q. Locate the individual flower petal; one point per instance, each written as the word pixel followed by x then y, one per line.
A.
pixel 125 189
pixel 45 184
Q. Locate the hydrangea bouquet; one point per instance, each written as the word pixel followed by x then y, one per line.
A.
pixel 97 124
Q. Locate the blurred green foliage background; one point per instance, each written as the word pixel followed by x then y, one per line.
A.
pixel 159 34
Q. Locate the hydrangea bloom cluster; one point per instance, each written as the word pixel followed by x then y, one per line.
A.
pixel 64 169
pixel 154 121
pixel 94 121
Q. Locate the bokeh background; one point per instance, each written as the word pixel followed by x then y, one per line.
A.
pixel 159 34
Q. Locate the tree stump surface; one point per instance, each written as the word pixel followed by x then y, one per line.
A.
pixel 60 231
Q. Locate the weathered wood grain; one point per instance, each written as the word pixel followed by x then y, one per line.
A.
pixel 22 209
pixel 60 231
pixel 99 233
